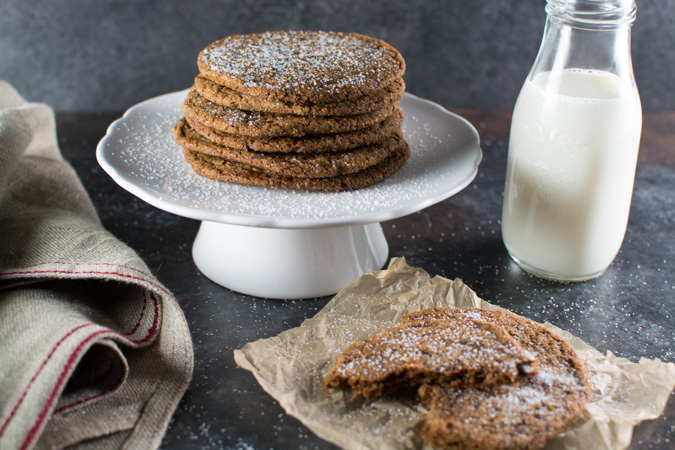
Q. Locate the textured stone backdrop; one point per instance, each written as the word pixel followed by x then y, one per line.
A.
pixel 106 55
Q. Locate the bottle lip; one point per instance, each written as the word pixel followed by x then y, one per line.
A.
pixel 593 13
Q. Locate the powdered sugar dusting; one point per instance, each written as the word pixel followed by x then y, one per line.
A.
pixel 302 60
pixel 534 401
pixel 524 414
pixel 462 352
pixel 139 152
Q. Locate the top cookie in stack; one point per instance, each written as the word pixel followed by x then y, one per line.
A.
pixel 296 109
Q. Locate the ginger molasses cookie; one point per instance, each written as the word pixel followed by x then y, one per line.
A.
pixel 536 338
pixel 310 143
pixel 310 165
pixel 222 95
pixel 296 109
pixel 524 414
pixel 463 352
pixel 262 124
pixel 302 67
pixel 234 172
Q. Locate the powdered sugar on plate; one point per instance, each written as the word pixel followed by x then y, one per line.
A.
pixel 140 154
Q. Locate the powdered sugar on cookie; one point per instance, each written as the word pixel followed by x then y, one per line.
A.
pixel 489 379
pixel 302 66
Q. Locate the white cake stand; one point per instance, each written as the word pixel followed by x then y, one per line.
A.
pixel 280 243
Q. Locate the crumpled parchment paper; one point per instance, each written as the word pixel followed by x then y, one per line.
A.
pixel 292 365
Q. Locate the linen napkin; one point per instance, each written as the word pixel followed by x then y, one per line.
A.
pixel 94 351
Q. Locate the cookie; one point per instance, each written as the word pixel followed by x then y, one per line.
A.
pixel 234 172
pixel 524 414
pixel 302 67
pixel 291 164
pixel 262 124
pixel 224 96
pixel 311 143
pixel 463 352
pixel 296 109
pixel 536 338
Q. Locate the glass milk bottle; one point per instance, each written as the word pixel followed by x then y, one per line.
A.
pixel 573 144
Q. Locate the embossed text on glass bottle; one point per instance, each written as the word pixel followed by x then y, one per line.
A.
pixel 573 145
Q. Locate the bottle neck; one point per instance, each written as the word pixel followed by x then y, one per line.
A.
pixel 587 35
pixel 592 14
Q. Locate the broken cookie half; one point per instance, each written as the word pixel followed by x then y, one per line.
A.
pixel 489 379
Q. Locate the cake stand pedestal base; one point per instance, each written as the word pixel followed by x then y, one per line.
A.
pixel 288 263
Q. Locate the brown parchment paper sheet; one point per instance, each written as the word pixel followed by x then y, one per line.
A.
pixel 291 368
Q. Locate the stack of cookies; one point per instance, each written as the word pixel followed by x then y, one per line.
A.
pixel 296 109
pixel 488 379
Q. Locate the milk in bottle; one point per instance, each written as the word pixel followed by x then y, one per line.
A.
pixel 572 152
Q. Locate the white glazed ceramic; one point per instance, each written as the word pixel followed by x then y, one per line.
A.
pixel 315 243
pixel 288 262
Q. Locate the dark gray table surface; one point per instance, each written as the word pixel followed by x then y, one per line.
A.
pixel 628 311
